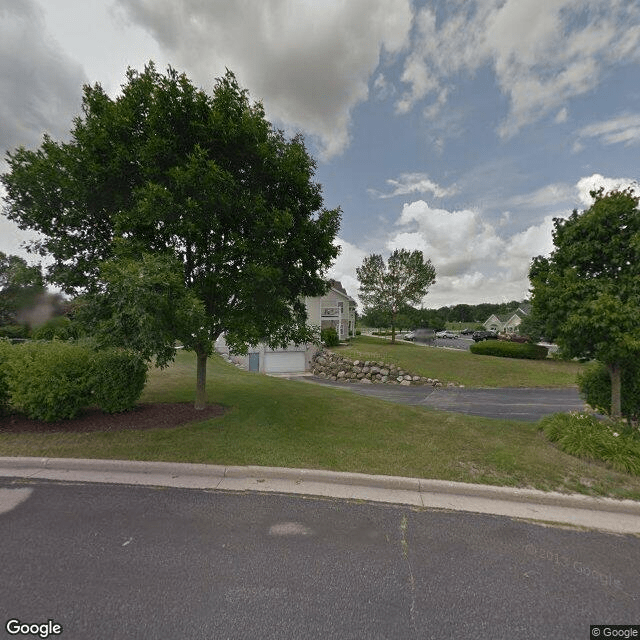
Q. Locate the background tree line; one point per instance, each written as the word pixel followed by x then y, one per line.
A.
pixel 410 317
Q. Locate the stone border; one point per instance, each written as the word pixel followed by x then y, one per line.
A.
pixel 331 366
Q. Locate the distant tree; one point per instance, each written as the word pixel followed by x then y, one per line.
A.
pixel 376 318
pixel 214 212
pixel 20 287
pixel 588 290
pixel 405 279
pixel 461 313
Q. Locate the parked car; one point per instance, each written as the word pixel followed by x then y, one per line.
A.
pixel 445 334
pixel 479 336
pixel 409 336
pixel 467 332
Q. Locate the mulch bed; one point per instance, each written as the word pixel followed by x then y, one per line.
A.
pixel 144 416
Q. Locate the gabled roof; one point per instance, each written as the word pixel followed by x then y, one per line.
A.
pixel 337 286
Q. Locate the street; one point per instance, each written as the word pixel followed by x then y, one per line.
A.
pixel 118 561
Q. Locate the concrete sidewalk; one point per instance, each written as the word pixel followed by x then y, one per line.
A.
pixel 619 516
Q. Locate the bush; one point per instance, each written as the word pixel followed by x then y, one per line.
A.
pixel 587 437
pixel 595 388
pixel 509 350
pixel 49 380
pixel 60 328
pixel 118 379
pixel 55 380
pixel 330 337
pixel 14 331
pixel 4 388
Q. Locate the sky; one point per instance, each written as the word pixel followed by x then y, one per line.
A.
pixel 460 128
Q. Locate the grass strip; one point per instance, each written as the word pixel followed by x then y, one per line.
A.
pixel 463 367
pixel 283 423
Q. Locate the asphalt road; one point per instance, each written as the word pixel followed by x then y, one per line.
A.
pixel 528 405
pixel 116 561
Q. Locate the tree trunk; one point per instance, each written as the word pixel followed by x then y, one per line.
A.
pixel 393 327
pixel 201 381
pixel 616 394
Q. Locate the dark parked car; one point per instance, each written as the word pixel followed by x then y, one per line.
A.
pixel 479 336
pixel 467 332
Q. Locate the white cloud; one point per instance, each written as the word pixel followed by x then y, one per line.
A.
pixel 310 62
pixel 595 181
pixel 40 87
pixel 409 183
pixel 552 195
pixel 543 54
pixel 477 261
pixel 622 129
pixel 456 241
pixel 344 268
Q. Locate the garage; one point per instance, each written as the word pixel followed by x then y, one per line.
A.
pixel 284 361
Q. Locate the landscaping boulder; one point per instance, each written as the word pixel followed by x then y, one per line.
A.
pixel 329 365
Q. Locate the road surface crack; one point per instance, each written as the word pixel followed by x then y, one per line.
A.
pixel 412 582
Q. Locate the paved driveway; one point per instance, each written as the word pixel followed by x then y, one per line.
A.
pixel 528 405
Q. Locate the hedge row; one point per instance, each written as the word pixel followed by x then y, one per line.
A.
pixel 510 350
pixel 55 380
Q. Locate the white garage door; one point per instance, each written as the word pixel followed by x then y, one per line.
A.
pixel 284 361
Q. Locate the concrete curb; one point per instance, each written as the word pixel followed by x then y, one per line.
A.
pixel 622 516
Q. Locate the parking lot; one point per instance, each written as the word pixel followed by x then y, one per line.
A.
pixel 460 342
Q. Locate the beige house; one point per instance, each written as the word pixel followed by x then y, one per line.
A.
pixel 335 309
pixel 508 323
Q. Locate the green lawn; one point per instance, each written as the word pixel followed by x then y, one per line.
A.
pixel 277 422
pixel 463 367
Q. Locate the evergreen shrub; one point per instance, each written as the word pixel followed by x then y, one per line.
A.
pixel 509 350
pixel 5 346
pixel 330 337
pixel 49 380
pixel 118 379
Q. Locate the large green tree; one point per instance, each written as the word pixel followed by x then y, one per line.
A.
pixel 588 291
pixel 405 279
pixel 183 208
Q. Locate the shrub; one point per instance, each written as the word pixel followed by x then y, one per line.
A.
pixel 49 380
pixel 4 388
pixel 118 379
pixel 509 350
pixel 330 337
pixel 55 380
pixel 60 328
pixel 14 331
pixel 595 388
pixel 587 437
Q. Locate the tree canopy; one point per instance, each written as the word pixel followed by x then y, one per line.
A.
pixel 587 292
pixel 190 206
pixel 405 279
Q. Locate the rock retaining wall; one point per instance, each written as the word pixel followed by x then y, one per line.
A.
pixel 328 365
